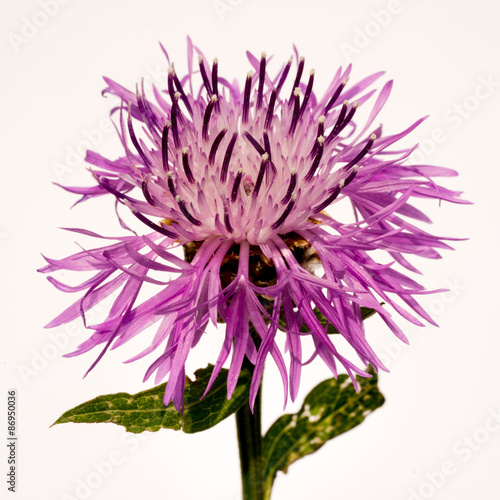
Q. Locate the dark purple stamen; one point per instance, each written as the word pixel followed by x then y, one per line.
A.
pixel 152 225
pixel 185 212
pixel 146 193
pixel 349 116
pixel 284 215
pixel 337 128
pixel 321 132
pixel 321 126
pixel 262 76
pixel 260 176
pixel 351 176
pixel 170 184
pixel 185 164
pixel 171 84
pixel 362 153
pixel 283 76
pixel 317 159
pixel 164 146
pixel 340 118
pixel 204 76
pixel 215 82
pixel 227 222
pixel 267 147
pixel 246 98
pixel 174 96
pixel 236 185
pixel 291 187
pixel 184 98
pixel 270 109
pixel 298 76
pixel 135 142
pixel 254 143
pixel 331 198
pixel 335 95
pixel 227 158
pixel 206 117
pixel 308 93
pixel 104 183
pixel 296 109
pixel 267 144
pixel 173 119
pixel 215 145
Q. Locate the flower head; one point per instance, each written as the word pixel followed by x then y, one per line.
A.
pixel 248 181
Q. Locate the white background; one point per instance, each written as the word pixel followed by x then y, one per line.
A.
pixel 442 390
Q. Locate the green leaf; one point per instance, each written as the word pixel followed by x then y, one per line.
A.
pixel 330 409
pixel 366 312
pixel 146 411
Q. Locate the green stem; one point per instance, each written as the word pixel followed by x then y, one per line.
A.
pixel 250 444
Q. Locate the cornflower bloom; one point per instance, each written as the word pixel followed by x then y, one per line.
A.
pixel 249 183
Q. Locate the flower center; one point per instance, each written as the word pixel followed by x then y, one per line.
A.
pixel 261 269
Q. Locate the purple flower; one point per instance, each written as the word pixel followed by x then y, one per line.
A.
pixel 249 183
